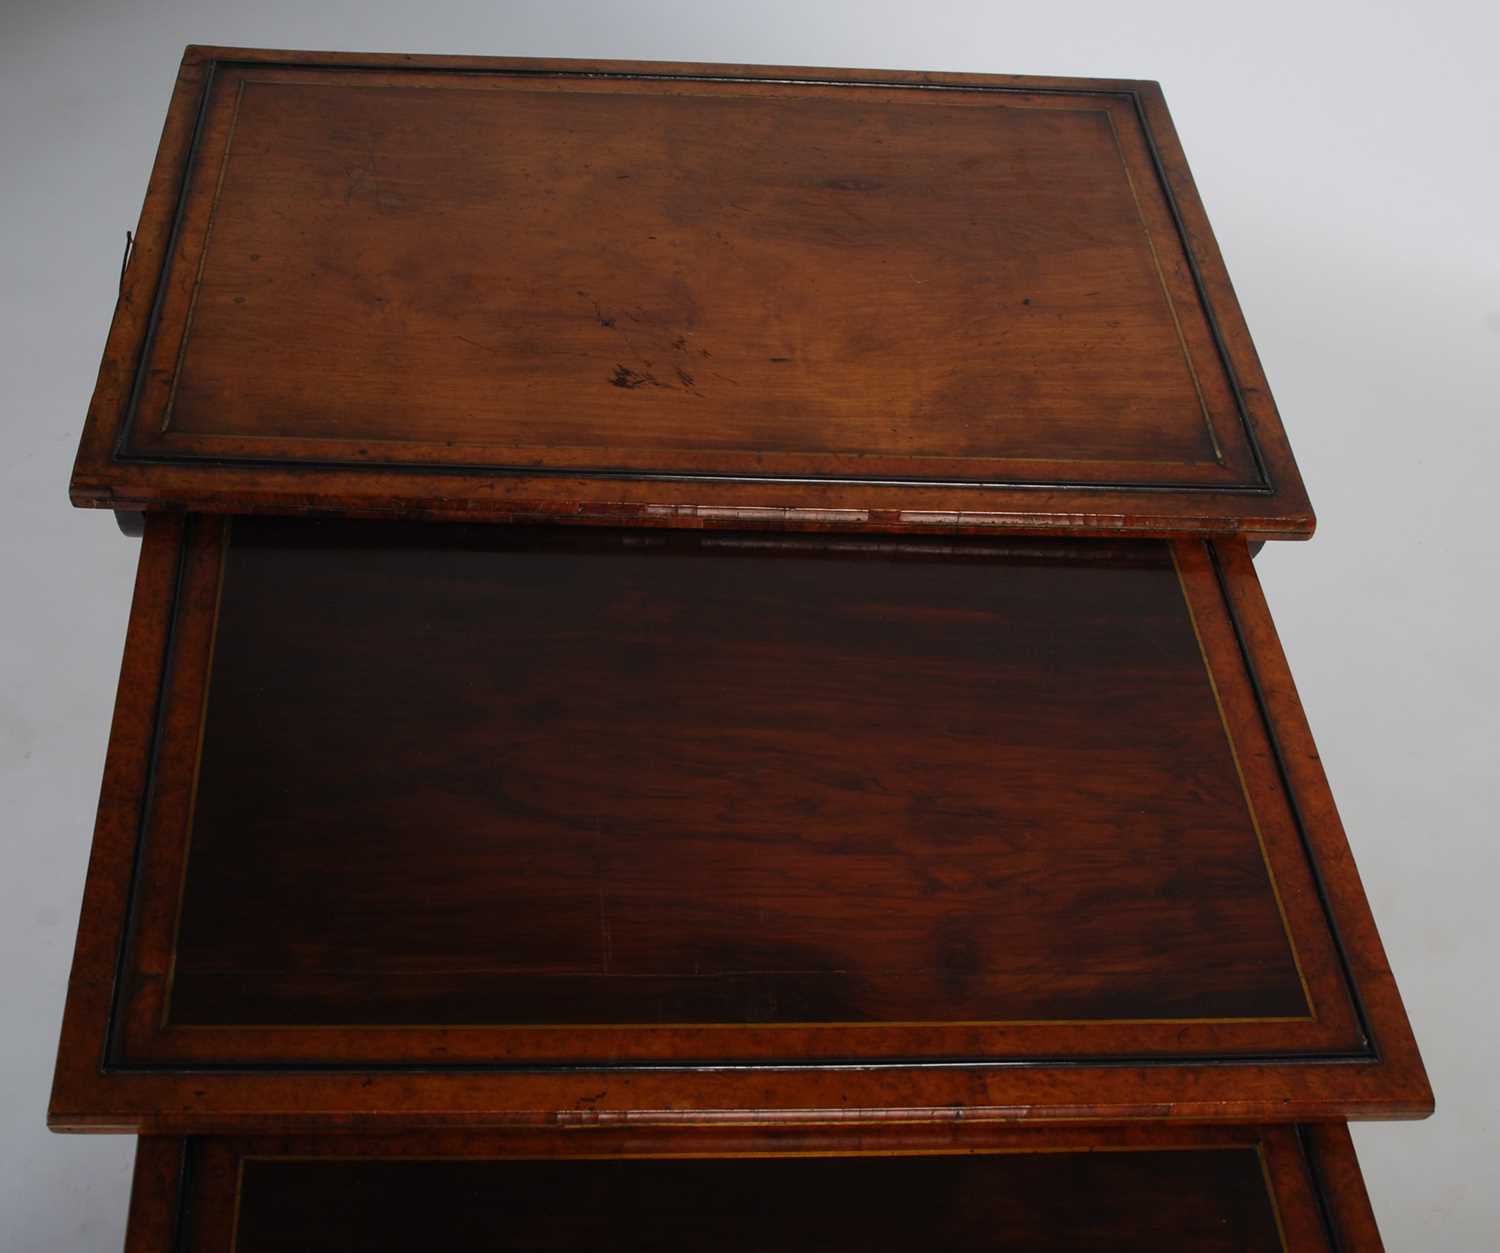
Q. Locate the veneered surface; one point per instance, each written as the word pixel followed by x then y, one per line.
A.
pixel 602 276
pixel 888 1187
pixel 467 777
pixel 1195 1200
pixel 219 1057
pixel 459 288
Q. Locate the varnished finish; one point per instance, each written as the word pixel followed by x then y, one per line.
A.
pixel 1330 1153
pixel 483 817
pixel 1262 1189
pixel 683 295
pixel 595 778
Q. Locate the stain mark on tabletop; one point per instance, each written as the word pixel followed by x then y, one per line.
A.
pixel 630 379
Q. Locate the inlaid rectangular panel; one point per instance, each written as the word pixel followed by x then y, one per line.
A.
pixel 438 822
pixel 1205 1189
pixel 519 780
pixel 686 294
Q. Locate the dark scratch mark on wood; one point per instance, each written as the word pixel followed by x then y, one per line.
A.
pixel 630 379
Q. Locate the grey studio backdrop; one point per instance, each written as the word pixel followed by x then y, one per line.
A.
pixel 1349 156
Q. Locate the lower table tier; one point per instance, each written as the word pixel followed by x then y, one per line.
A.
pixel 1145 1187
pixel 416 825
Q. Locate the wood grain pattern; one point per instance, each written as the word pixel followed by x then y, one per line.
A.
pixel 580 779
pixel 1330 1155
pixel 683 777
pixel 681 294
pixel 1198 1188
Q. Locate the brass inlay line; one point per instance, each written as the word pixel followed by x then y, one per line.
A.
pixel 1265 1174
pixel 1161 278
pixel 291 437
pixel 208 230
pixel 752 1154
pixel 1260 838
pixel 222 565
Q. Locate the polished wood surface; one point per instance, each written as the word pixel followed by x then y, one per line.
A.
pixel 457 825
pixel 529 778
pixel 1146 1188
pixel 681 294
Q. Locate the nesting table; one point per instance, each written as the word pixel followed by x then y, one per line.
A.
pixel 697 679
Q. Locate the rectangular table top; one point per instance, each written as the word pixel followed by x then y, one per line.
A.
pixel 432 824
pixel 1257 1189
pixel 691 295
